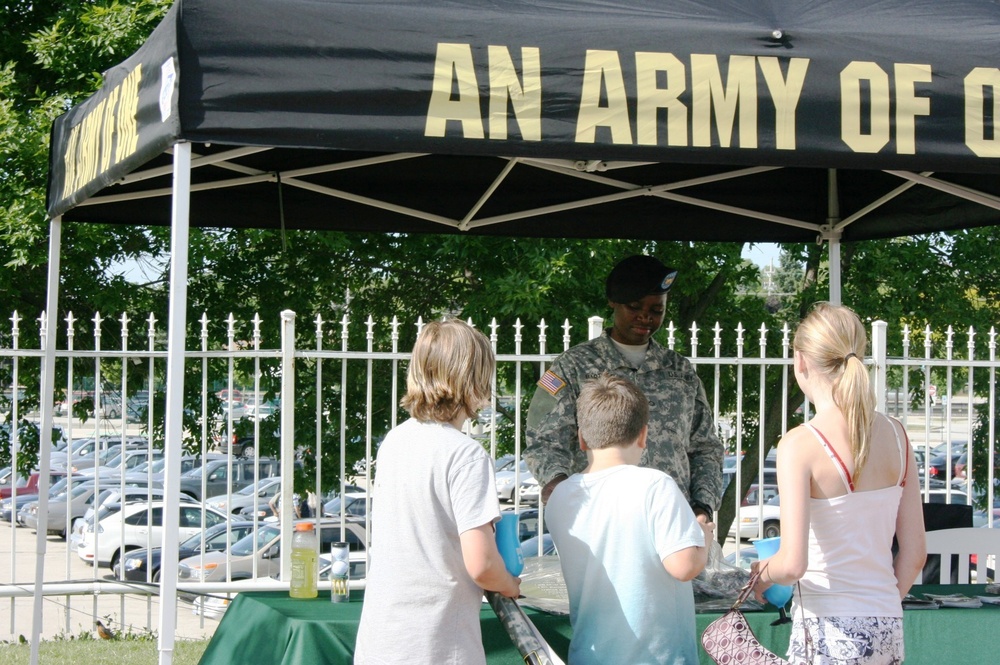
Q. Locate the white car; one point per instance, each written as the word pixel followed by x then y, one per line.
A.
pixel 750 521
pixel 136 526
pixel 749 510
pixel 505 479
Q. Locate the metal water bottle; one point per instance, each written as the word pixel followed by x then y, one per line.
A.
pixel 340 573
pixel 304 568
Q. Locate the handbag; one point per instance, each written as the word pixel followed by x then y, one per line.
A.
pixel 729 639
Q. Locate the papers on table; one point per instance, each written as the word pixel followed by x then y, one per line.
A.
pixel 911 602
pixel 992 600
pixel 954 600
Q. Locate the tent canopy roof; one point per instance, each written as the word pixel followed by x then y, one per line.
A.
pixel 778 121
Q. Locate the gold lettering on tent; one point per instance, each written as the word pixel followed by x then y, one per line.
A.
pixel 850 107
pixel 650 99
pixel 602 70
pixel 909 106
pixel 128 116
pixel 977 81
pixel 525 98
pixel 785 93
pixel 108 129
pixel 453 68
pixel 708 94
pixel 108 134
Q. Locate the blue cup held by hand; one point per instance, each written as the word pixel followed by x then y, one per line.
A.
pixel 508 543
pixel 777 594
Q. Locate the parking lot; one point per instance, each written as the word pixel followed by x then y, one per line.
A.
pixel 73 615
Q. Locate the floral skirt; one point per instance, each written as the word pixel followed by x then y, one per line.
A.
pixel 847 641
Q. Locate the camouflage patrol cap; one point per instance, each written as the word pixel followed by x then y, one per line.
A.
pixel 637 277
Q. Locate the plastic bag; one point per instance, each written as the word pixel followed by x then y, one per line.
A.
pixel 719 585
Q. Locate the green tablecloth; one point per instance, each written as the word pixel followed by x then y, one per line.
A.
pixel 269 628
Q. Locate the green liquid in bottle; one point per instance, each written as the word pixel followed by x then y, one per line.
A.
pixel 304 574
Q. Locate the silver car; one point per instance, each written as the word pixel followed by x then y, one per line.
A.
pixel 264 549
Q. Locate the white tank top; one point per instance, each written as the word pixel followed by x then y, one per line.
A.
pixel 850 548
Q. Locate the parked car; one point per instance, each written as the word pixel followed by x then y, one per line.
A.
pixel 938 466
pixel 505 477
pixel 139 525
pixel 751 519
pixel 254 494
pixel 11 506
pixel 144 565
pixel 527 523
pixel 749 510
pixel 263 410
pixel 264 548
pixel 354 504
pixel 83 447
pixel 9 479
pixel 530 546
pixel 215 475
pixel 124 460
pixel 152 474
pixel 72 502
pixel 96 458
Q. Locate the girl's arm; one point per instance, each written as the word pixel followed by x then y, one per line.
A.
pixel 910 535
pixel 484 563
pixel 794 488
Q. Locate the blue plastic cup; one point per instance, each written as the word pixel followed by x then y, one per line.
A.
pixel 777 594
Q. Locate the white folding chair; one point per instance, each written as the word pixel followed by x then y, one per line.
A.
pixel 981 542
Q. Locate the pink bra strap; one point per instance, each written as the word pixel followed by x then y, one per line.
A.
pixel 839 463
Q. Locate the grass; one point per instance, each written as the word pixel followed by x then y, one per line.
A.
pixel 129 651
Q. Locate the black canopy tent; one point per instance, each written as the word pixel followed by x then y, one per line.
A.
pixel 768 121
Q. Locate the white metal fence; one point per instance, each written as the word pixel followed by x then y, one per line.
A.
pixel 348 378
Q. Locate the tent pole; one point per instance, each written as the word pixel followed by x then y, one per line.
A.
pixel 176 345
pixel 832 234
pixel 45 436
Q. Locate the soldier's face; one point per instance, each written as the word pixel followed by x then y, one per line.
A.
pixel 636 322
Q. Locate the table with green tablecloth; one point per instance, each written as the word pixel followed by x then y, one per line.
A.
pixel 269 628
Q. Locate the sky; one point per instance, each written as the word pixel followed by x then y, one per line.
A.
pixel 762 253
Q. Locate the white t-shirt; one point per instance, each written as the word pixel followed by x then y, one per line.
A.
pixel 613 528
pixel 432 483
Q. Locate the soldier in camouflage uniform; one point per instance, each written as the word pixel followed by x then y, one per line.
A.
pixel 682 441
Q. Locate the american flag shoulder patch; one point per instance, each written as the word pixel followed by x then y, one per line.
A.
pixel 551 382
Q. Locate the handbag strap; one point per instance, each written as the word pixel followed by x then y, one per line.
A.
pixel 747 589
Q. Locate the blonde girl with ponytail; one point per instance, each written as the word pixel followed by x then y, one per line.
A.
pixel 847 482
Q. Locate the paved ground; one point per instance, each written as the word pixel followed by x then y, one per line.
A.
pixel 72 615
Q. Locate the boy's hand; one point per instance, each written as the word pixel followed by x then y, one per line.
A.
pixel 709 529
pixel 513 590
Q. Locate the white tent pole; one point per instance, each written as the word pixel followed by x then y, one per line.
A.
pixel 831 233
pixel 45 436
pixel 287 462
pixel 176 346
pixel 835 290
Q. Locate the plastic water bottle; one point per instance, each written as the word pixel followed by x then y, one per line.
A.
pixel 508 544
pixel 340 569
pixel 304 571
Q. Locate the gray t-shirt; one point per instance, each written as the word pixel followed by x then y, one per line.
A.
pixel 432 483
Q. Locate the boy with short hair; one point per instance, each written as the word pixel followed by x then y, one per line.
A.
pixel 629 543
